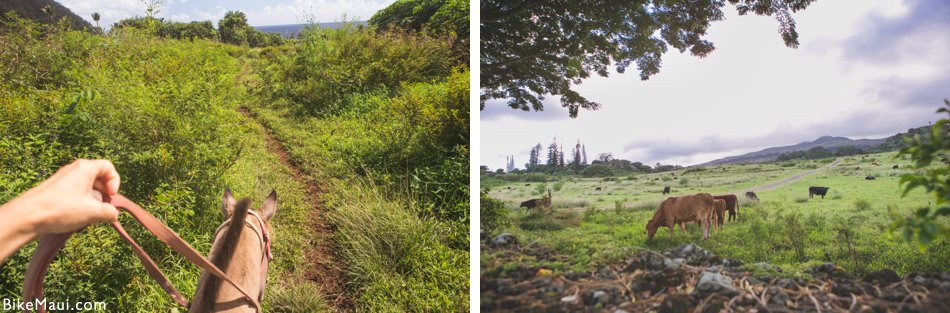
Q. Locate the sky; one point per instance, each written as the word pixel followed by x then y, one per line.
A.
pixel 864 69
pixel 259 13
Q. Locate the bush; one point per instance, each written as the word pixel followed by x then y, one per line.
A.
pixel 862 204
pixel 332 65
pixel 493 213
pixel 597 170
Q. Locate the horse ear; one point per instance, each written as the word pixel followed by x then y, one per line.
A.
pixel 227 203
pixel 269 207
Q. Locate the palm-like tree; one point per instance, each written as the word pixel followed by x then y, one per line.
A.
pixel 95 17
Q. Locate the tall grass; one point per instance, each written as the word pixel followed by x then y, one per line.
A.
pixel 381 121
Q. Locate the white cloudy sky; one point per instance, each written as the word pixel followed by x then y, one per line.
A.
pixel 864 69
pixel 258 12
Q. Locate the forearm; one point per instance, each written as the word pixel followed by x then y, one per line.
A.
pixel 17 226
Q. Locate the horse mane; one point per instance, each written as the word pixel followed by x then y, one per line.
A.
pixel 224 254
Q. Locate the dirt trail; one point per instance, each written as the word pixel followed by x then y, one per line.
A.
pixel 790 179
pixel 324 269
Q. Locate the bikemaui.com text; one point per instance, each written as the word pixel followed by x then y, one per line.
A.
pixel 18 305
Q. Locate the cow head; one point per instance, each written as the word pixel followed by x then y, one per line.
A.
pixel 651 229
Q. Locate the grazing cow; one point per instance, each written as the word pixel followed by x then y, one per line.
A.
pixel 894 167
pixel 656 178
pixel 509 187
pixel 544 202
pixel 666 190
pixel 751 196
pixel 875 164
pixel 857 168
pixel 677 210
pixel 527 184
pixel 869 177
pixel 732 205
pixel 597 189
pixel 821 191
pixel 720 212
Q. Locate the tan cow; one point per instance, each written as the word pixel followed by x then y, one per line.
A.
pixel 675 210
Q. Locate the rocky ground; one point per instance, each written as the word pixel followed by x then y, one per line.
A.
pixel 690 279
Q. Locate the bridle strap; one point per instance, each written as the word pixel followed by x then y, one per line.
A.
pixel 50 244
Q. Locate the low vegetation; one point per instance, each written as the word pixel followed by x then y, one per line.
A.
pixel 849 227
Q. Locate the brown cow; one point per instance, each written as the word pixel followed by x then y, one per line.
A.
pixel 544 202
pixel 677 210
pixel 717 219
pixel 720 212
pixel 732 205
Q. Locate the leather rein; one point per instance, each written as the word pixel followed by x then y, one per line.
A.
pixel 51 243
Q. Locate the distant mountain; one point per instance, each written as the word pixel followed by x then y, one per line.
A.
pixel 828 142
pixel 33 10
pixel 291 30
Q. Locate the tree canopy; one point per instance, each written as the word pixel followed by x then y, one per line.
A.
pixel 530 49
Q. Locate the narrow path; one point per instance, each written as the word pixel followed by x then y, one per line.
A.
pixel 324 268
pixel 787 180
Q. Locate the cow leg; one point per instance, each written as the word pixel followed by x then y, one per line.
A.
pixel 683 227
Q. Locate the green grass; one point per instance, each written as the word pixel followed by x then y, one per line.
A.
pixel 848 227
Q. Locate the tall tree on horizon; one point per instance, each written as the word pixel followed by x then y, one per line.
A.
pixel 584 152
pixel 534 157
pixel 553 154
pixel 531 49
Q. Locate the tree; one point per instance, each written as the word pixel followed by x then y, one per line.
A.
pixel 152 7
pixel 95 17
pixel 534 157
pixel 928 224
pixel 584 153
pixel 576 163
pixel 511 164
pixel 233 28
pixel 553 154
pixel 530 49
pixel 605 157
pixel 818 152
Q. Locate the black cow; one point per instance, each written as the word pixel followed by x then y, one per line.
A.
pixel 527 184
pixel 821 191
pixel 666 190
pixel 597 188
pixel 895 167
pixel 751 196
pixel 869 177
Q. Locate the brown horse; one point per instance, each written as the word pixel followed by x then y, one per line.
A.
pixel 241 249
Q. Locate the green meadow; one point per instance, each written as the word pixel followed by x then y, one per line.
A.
pixel 587 228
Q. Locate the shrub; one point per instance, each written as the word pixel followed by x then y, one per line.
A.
pixel 492 212
pixel 862 204
pixel 597 170
pixel 801 199
pixel 558 185
pixel 330 65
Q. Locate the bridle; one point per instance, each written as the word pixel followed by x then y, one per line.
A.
pixel 51 243
pixel 264 235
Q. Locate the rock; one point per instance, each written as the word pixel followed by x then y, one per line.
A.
pixel 673 264
pixel 504 239
pixel 569 299
pixel 620 311
pixel 883 277
pixel 712 282
pixel 676 303
pixel 945 286
pixel 598 294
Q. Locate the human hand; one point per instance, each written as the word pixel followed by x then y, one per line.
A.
pixel 71 199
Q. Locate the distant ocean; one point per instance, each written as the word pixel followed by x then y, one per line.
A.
pixel 291 30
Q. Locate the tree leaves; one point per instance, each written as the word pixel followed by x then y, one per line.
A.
pixel 530 49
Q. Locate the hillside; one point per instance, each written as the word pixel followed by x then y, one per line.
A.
pixel 890 143
pixel 33 10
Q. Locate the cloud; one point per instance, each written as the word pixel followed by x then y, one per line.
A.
pixel 918 34
pixel 497 109
pixel 111 11
pixel 321 11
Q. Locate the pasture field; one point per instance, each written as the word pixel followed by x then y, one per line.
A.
pixel 362 132
pixel 587 229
